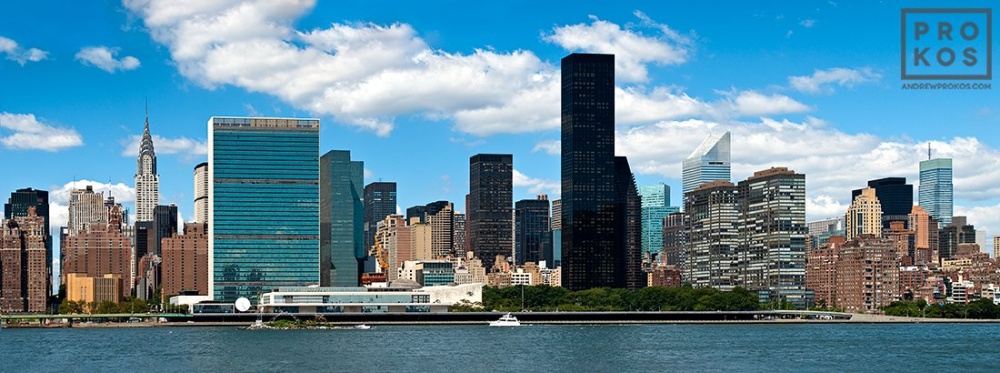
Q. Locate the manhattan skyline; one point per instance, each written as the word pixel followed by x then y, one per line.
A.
pixel 412 93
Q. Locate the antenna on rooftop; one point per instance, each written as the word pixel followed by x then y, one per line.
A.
pixel 928 150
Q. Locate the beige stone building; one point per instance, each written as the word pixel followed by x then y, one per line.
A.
pixel 864 216
pixel 80 287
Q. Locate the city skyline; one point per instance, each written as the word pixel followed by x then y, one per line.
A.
pixel 817 110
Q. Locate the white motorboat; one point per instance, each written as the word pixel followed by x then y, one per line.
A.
pixel 506 320
pixel 362 327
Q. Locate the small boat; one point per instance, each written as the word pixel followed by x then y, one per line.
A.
pixel 506 320
pixel 362 327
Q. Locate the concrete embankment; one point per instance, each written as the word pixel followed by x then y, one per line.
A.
pixel 539 318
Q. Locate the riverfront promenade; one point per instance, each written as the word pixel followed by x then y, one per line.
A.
pixel 473 318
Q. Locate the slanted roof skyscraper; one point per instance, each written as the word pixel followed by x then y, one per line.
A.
pixel 708 162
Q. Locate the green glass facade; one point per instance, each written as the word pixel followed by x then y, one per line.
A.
pixel 264 205
pixel 342 217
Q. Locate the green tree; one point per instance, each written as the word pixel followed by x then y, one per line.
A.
pixel 106 307
pixel 71 307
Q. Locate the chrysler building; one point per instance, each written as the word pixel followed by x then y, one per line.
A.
pixel 147 182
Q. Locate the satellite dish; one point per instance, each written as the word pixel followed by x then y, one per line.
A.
pixel 242 304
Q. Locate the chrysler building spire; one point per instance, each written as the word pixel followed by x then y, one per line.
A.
pixel 147 182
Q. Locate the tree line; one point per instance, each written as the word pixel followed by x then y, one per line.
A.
pixel 978 309
pixel 541 298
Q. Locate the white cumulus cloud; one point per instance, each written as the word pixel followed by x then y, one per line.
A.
pixel 165 145
pixel 537 186
pixel 822 80
pixel 632 49
pixel 553 147
pixel 105 59
pixel 25 132
pixel 10 50
pixel 367 75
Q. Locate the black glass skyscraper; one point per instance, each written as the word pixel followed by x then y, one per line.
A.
pixel 531 231
pixel 379 200
pixel 588 171
pixel 896 197
pixel 628 228
pixel 164 225
pixel 491 199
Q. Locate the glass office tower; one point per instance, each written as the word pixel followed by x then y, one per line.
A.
pixel 264 205
pixel 936 192
pixel 655 208
pixel 342 215
pixel 588 172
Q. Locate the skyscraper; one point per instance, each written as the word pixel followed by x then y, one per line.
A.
pixel 556 260
pixel 925 236
pixel 20 203
pixel 86 208
pixel 628 228
pixel 263 205
pixel 24 272
pixel 773 229
pixel 147 182
pixel 201 193
pixel 712 214
pixel 589 190
pixel 490 211
pixel 531 230
pixel 164 224
pixel 708 162
pixel 185 261
pixel 655 207
pixel 674 240
pixel 864 216
pixel 936 192
pixel 895 197
pixel 441 216
pixel 380 201
pixel 342 218
pixel 460 241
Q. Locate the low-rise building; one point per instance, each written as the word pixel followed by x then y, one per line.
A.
pixel 80 287
pixel 667 275
pixel 368 300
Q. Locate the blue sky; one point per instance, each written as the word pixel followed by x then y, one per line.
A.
pixel 415 88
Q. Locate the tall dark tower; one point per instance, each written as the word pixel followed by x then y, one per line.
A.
pixel 491 199
pixel 531 226
pixel 588 171
pixel 628 228
pixel 379 200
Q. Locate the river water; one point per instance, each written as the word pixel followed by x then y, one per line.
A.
pixel 533 348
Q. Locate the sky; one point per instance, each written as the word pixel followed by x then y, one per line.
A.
pixel 414 89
